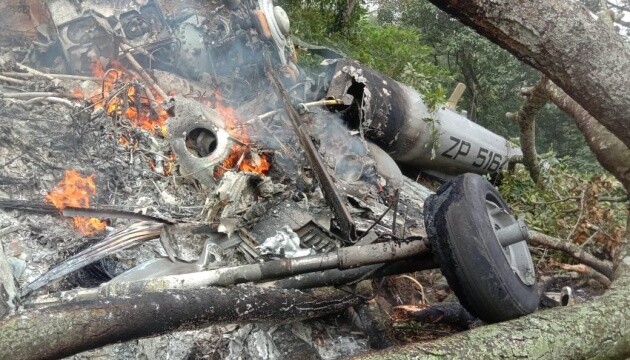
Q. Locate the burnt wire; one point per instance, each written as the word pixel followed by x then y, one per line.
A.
pixel 376 222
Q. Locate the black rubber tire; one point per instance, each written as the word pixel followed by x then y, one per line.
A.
pixel 471 258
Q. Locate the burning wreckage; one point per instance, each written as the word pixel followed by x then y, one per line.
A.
pixel 225 163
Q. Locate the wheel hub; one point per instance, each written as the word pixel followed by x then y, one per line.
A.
pixel 512 235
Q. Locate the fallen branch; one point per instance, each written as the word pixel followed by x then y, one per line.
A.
pixel 604 267
pixel 609 150
pixel 64 330
pixel 586 271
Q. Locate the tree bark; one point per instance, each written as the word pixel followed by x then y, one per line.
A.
pixel 67 329
pixel 582 55
pixel 526 118
pixel 575 251
pixel 597 329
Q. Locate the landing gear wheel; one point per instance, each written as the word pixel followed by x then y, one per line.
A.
pixel 482 249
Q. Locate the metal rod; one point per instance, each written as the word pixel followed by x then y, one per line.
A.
pixel 331 194
pixel 45 75
pixel 344 258
pixel 12 80
pixel 336 277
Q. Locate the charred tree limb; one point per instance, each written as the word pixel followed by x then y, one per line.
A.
pixel 611 152
pixel 597 328
pixel 551 36
pixel 67 329
pixel 442 313
pixel 535 99
pixel 604 267
pixel 376 324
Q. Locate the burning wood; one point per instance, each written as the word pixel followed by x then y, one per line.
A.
pixel 122 94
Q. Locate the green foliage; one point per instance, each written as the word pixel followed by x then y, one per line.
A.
pixel 416 77
pixel 492 75
pixel 313 21
pixel 396 51
pixel 567 204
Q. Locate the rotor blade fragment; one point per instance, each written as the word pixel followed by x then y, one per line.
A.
pixel 120 240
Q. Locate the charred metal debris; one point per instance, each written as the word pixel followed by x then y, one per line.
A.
pixel 294 179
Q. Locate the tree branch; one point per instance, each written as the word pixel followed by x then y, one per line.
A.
pixel 610 152
pixel 526 118
pixel 66 329
pixel 572 250
pixel 550 36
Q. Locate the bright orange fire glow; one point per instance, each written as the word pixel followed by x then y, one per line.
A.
pixel 240 156
pixel 121 98
pixel 75 191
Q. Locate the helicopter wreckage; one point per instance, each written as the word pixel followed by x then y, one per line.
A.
pixel 238 168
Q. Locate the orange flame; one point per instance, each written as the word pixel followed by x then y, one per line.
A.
pixel 241 157
pixel 75 191
pixel 120 98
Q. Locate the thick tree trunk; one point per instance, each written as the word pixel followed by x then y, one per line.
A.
pixel 67 329
pixel 582 55
pixel 597 329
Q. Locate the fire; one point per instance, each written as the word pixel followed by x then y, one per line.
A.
pixel 241 156
pixel 75 191
pixel 122 95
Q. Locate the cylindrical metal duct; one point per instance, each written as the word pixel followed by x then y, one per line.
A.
pixel 395 117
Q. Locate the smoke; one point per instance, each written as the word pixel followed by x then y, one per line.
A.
pixel 342 150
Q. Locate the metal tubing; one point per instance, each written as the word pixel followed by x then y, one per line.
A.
pixel 355 256
pixel 336 277
pixel 344 258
